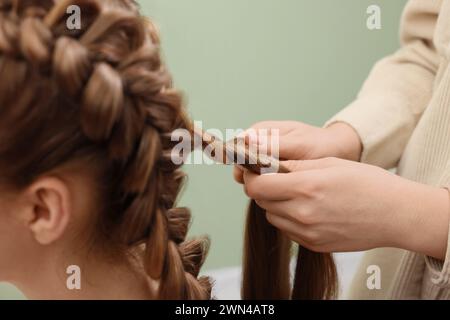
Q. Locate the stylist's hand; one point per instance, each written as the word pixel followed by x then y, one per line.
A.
pixel 334 205
pixel 300 141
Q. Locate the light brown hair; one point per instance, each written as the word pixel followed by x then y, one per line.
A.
pixel 101 95
pixel 267 252
pixel 266 268
pixel 267 257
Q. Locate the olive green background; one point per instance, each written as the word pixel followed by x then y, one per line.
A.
pixel 243 61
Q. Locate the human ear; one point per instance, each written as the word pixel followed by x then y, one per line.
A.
pixel 49 209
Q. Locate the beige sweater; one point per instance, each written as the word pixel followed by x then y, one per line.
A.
pixel 402 115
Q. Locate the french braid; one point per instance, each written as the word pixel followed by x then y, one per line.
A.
pixel 104 90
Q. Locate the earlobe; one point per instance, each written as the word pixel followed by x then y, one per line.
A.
pixel 50 209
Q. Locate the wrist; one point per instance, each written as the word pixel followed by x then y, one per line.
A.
pixel 427 219
pixel 346 141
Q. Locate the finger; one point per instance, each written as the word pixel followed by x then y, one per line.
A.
pixel 273 143
pixel 238 174
pixel 277 146
pixel 283 224
pixel 298 212
pixel 273 187
pixel 296 239
pixel 284 127
pixel 257 132
pixel 267 187
pixel 318 164
pixel 291 230
pixel 284 209
pixel 288 147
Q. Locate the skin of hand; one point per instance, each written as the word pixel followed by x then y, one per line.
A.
pixel 336 205
pixel 300 141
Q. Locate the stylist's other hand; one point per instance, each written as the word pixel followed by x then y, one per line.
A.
pixel 300 141
pixel 335 205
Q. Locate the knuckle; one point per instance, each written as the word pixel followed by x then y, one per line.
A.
pixel 304 187
pixel 307 217
pixel 269 218
pixel 251 191
pixel 310 188
pixel 312 237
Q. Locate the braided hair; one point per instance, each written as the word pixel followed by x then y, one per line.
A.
pixel 101 93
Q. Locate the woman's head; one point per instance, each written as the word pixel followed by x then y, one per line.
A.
pixel 86 118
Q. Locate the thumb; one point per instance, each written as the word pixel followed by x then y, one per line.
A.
pixel 305 165
pixel 238 174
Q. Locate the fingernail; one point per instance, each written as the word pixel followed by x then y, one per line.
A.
pixel 269 174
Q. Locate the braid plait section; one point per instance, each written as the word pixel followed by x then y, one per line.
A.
pixel 112 69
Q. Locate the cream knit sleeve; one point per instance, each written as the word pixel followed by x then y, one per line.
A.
pixel 397 90
pixel 440 269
